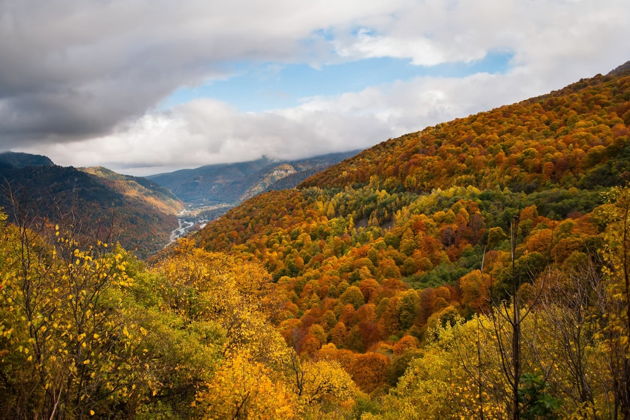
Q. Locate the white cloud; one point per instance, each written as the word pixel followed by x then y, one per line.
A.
pixel 207 131
pixel 539 32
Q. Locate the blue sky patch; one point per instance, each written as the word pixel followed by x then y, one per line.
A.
pixel 260 87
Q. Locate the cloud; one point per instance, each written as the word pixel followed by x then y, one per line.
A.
pixel 72 69
pixel 542 33
pixel 80 83
pixel 208 131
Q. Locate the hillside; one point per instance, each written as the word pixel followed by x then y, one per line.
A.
pixel 373 253
pixel 139 188
pixel 574 137
pixel 233 182
pixel 95 203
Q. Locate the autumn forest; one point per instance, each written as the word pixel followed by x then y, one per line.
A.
pixel 478 269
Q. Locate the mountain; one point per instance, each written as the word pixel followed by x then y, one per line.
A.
pixel 371 254
pixel 212 184
pixel 621 70
pixel 95 203
pixel 576 137
pixel 233 182
pixel 23 160
pixel 572 137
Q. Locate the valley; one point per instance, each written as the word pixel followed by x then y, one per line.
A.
pixel 142 213
pixel 210 191
pixel 196 218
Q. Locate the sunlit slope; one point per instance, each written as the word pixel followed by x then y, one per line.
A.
pixel 139 188
pixel 574 137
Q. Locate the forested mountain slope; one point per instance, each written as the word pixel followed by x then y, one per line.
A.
pixel 95 203
pixel 574 137
pixel 373 253
pixel 138 188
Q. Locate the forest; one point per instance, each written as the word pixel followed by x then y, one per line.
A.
pixel 479 269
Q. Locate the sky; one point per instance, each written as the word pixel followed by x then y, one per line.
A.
pixel 148 86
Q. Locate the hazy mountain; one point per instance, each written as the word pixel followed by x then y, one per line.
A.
pixel 233 182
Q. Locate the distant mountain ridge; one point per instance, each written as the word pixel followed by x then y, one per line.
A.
pixel 234 182
pixel 23 160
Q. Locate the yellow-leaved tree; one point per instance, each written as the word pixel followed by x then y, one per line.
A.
pixel 66 345
pixel 244 389
pixel 615 302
